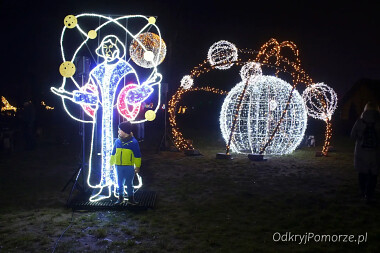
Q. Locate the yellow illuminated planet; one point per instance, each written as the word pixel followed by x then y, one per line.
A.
pixel 67 69
pixel 92 34
pixel 150 115
pixel 70 21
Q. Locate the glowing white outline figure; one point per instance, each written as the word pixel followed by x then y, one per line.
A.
pixel 106 76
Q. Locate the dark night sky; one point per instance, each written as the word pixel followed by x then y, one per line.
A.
pixel 339 44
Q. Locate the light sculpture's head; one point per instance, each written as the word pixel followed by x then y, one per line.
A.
pixel 110 48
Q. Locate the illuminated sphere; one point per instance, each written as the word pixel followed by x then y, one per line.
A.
pixel 150 115
pixel 152 20
pixel 67 69
pixel 262 106
pixel 147 50
pixel 92 34
pixel 186 82
pixel 250 69
pixel 70 21
pixel 220 52
pixel 320 100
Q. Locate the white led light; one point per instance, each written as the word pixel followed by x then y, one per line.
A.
pixel 250 70
pixel 320 100
pixel 272 105
pixel 221 54
pixel 187 82
pixel 148 56
pixel 262 106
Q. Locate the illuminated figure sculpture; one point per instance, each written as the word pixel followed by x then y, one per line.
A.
pixel 101 88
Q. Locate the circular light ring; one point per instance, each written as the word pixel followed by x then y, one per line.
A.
pixel 221 54
pixel 257 121
pixel 150 52
pixel 320 100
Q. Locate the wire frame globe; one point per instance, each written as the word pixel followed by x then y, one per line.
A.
pixel 320 100
pixel 221 54
pixel 147 50
pixel 262 106
pixel 250 70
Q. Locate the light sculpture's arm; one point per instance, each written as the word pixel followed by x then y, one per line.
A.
pixel 78 96
pixel 141 93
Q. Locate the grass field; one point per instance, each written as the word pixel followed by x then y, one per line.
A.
pixel 203 205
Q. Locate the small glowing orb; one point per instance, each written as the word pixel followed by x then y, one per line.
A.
pixel 186 82
pixel 258 117
pixel 221 54
pixel 320 100
pixel 250 70
pixel 67 69
pixel 272 105
pixel 148 56
pixel 147 42
pixel 70 21
pixel 152 20
pixel 150 115
pixel 92 34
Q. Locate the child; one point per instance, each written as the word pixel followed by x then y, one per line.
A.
pixel 126 157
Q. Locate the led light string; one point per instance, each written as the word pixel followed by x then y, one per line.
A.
pixel 262 106
pixel 205 67
pixel 179 141
pixel 7 106
pixel 270 55
pixel 321 102
pixel 273 49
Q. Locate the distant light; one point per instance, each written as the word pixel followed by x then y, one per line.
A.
pixel 46 106
pixel 7 106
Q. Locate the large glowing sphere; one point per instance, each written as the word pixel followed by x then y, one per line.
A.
pixel 147 50
pixel 221 54
pixel 260 112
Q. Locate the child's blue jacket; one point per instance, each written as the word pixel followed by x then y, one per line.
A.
pixel 126 152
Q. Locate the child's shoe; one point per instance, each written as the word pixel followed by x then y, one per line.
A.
pixel 132 201
pixel 119 201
